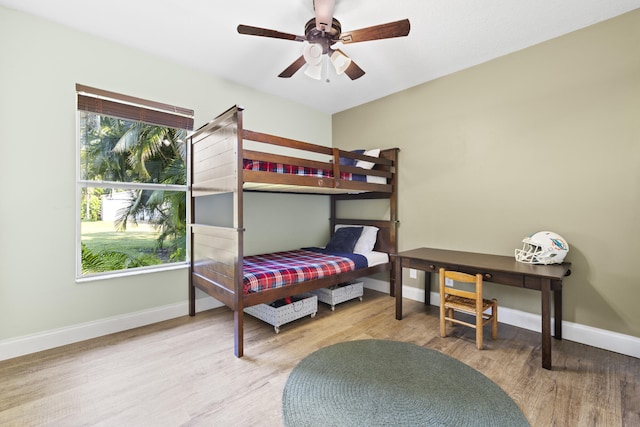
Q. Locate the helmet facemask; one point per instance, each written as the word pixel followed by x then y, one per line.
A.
pixel 528 252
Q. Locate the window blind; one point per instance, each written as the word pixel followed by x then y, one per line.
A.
pixel 131 108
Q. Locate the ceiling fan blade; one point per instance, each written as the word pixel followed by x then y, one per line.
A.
pixel 353 71
pixel 264 32
pixel 293 68
pixel 377 32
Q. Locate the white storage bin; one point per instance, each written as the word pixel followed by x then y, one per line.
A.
pixel 306 304
pixel 339 293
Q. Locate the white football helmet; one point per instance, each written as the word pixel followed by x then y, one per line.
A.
pixel 543 247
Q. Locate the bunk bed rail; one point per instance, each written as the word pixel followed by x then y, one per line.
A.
pixel 305 155
pixel 220 149
pixel 215 263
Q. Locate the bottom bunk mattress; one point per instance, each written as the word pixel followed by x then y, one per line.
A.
pixel 279 269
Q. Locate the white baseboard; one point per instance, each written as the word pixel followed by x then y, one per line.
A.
pixel 600 338
pixel 28 344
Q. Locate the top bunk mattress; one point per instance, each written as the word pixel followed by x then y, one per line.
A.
pixel 256 165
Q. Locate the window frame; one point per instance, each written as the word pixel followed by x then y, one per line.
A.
pixel 130 108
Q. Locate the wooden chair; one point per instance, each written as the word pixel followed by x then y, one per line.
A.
pixel 470 302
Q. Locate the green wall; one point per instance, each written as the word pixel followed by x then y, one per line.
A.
pixel 547 138
pixel 41 63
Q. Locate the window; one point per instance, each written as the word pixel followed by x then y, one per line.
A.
pixel 131 183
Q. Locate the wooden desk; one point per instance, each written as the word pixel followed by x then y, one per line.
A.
pixel 499 269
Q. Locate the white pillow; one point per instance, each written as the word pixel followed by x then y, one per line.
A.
pixel 367 239
pixel 376 179
pixel 368 165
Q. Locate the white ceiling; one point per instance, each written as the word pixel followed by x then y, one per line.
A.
pixel 446 36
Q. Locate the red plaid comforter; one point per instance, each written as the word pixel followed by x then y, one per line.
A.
pixel 256 165
pixel 285 268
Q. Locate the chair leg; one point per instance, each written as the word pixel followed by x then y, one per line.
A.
pixel 451 315
pixel 443 324
pixel 479 322
pixel 494 320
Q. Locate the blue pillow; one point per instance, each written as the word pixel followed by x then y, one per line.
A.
pixel 344 239
pixel 350 162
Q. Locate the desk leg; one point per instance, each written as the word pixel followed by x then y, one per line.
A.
pixel 546 323
pixel 557 308
pixel 398 286
pixel 427 288
pixel 392 278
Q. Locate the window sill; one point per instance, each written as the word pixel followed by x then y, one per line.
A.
pixel 132 272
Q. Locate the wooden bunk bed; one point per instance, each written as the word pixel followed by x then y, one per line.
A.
pixel 218 158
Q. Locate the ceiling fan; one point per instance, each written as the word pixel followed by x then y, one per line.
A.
pixel 322 32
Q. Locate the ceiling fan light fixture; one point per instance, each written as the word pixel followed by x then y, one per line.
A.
pixel 312 53
pixel 340 61
pixel 314 71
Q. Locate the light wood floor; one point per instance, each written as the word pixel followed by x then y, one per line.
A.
pixel 183 372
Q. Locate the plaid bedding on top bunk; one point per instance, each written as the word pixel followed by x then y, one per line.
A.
pixel 256 165
pixel 278 269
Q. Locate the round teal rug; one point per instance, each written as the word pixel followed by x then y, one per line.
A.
pixel 392 383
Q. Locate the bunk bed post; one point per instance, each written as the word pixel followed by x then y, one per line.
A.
pixel 238 223
pixel 332 213
pixel 393 217
pixel 192 288
pixel 190 212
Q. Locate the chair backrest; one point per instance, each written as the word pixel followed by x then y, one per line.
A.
pixel 464 278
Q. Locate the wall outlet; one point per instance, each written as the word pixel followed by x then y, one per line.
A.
pixel 448 282
pixel 413 273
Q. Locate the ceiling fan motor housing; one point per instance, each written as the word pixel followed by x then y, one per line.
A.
pixel 323 38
